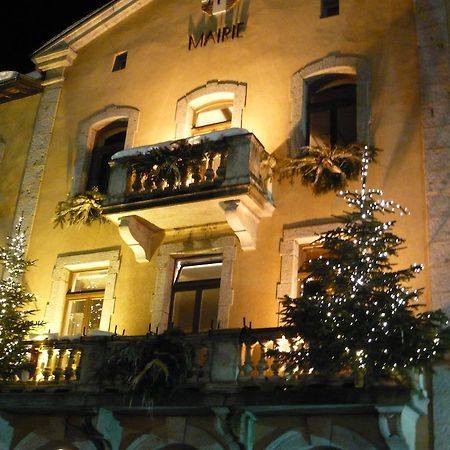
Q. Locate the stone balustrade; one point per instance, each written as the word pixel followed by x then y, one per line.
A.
pixel 222 358
pixel 203 163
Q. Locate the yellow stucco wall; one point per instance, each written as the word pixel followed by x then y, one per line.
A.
pixel 279 39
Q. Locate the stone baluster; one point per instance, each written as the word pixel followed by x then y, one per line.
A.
pixel 275 368
pixel 209 172
pixel 136 186
pixel 222 169
pixel 58 371
pixel 77 362
pixel 69 371
pixel 247 367
pixel 262 365
pixel 39 364
pixel 49 367
pixel 196 174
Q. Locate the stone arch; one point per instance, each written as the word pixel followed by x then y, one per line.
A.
pixel 212 91
pixel 290 440
pixel 194 438
pixel 330 64
pixel 301 439
pixel 86 137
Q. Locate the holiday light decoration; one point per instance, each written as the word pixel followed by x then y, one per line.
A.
pixel 355 313
pixel 14 299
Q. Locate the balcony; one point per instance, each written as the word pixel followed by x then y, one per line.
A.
pixel 209 179
pixel 230 367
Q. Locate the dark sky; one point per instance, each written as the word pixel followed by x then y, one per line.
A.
pixel 27 24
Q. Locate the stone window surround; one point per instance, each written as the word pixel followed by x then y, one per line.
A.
pixel 331 64
pixel 165 266
pixel 65 264
pixel 86 138
pixel 294 236
pixel 212 91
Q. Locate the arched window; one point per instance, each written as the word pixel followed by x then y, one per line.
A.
pixel 108 140
pixel 215 106
pixel 212 116
pixel 100 136
pixel 331 110
pixel 332 92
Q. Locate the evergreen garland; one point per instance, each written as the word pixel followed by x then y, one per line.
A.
pixel 355 313
pixel 15 324
pixel 325 168
pixel 80 209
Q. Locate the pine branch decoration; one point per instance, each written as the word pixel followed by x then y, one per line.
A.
pixel 325 169
pixel 80 209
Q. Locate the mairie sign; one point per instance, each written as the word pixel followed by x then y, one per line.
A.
pixel 216 36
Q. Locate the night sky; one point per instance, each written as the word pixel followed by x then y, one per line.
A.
pixel 27 24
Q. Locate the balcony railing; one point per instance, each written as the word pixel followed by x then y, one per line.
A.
pixel 232 356
pixel 222 358
pixel 225 159
pixel 230 367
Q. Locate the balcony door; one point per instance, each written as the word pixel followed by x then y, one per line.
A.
pixel 194 304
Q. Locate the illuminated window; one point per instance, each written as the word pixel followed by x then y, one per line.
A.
pixel 329 8
pixel 108 140
pixel 120 61
pixel 308 252
pixel 331 110
pixel 212 117
pixel 84 301
pixel 194 302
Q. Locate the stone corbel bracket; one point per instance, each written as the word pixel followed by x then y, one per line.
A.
pixel 244 220
pixel 390 424
pixel 141 236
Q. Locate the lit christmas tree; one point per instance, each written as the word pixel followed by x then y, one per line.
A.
pixel 14 299
pixel 355 313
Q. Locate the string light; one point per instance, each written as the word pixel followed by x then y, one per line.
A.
pixel 355 310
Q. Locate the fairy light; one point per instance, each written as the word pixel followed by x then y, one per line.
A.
pixel 362 305
pixel 14 322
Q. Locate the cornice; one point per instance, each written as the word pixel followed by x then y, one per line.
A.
pixel 61 51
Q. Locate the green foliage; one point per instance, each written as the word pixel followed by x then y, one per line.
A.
pixel 15 324
pixel 172 162
pixel 80 209
pixel 325 169
pixel 356 313
pixel 151 366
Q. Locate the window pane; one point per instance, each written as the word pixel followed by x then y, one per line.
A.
pixel 346 125
pixel 207 271
pixel 93 280
pixel 75 317
pixel 319 126
pixel 95 314
pixel 214 115
pixel 209 308
pixel 183 310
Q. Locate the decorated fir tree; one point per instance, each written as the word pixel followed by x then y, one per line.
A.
pixel 15 324
pixel 356 313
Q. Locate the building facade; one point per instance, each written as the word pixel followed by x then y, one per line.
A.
pixel 214 249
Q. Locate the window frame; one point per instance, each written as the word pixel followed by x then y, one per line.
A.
pixel 89 296
pixel 358 67
pixel 120 61
pixel 197 286
pixel 54 314
pixel 234 92
pixel 331 105
pixel 224 247
pixel 329 8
